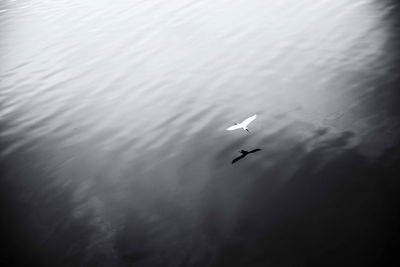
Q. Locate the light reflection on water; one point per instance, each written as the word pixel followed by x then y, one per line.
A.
pixel 113 148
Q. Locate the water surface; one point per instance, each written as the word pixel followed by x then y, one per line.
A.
pixel 113 149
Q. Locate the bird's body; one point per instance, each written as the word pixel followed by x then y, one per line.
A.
pixel 243 124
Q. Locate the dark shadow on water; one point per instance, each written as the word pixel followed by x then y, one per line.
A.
pixel 336 208
pixel 244 154
pixel 39 224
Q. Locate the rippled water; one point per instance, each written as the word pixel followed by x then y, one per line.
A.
pixel 113 149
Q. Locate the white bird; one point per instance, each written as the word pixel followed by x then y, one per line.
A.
pixel 243 124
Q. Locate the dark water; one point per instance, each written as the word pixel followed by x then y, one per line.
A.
pixel 113 149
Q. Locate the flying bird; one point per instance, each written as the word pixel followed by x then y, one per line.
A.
pixel 244 154
pixel 243 124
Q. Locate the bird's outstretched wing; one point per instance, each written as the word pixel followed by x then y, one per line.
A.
pixel 248 120
pixel 234 127
pixel 238 158
pixel 254 150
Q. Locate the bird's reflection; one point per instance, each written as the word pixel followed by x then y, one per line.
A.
pixel 244 154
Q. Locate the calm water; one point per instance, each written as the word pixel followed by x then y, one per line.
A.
pixel 113 149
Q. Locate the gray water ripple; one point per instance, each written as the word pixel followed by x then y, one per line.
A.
pixel 113 142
